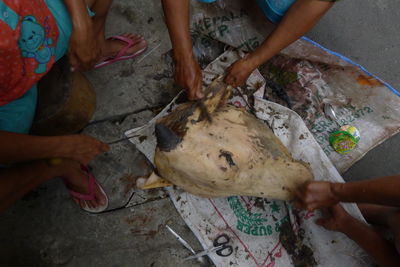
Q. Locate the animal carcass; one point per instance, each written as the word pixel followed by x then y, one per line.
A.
pixel 229 153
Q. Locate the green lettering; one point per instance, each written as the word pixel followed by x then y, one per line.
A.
pixel 198 26
pixel 233 16
pixel 222 29
pixel 255 44
pixel 277 227
pixel 255 231
pixel 263 230
pixel 207 23
pixel 212 35
pixel 239 226
pixel 205 42
pixel 246 229
pixel 269 229
pixel 215 19
pixel 225 18
pixel 368 109
pixel 323 124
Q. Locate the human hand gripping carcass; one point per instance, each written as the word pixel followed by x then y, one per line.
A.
pixel 212 149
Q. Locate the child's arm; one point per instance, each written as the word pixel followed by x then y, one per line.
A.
pixel 337 219
pixel 84 49
pixel 187 70
pixel 16 147
pixel 298 20
pixel 384 191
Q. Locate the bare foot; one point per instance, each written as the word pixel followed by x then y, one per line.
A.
pixel 112 47
pixel 77 180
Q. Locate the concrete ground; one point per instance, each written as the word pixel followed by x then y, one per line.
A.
pixel 46 228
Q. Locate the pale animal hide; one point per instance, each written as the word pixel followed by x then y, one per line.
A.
pixel 234 154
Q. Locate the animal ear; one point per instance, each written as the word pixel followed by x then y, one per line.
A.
pixel 167 140
pixel 29 18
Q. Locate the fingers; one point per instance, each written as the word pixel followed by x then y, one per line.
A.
pixel 316 194
pixel 199 90
pixel 191 94
pixel 88 62
pixel 338 209
pixel 321 222
pixel 191 81
pixel 302 199
pixel 101 146
pixel 73 62
pixel 229 78
pixel 85 148
pixel 238 73
pixel 91 59
pixel 84 60
pixel 98 147
pixel 104 147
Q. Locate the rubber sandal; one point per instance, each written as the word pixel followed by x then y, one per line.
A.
pixel 120 56
pixel 90 196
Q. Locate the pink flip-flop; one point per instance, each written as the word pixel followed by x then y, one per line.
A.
pixel 91 195
pixel 120 56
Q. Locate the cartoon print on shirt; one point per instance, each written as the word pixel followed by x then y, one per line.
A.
pixel 34 43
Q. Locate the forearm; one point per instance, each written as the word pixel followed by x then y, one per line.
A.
pixel 78 12
pixel 384 191
pixel 299 19
pixel 177 19
pixel 367 238
pixel 17 181
pixel 16 147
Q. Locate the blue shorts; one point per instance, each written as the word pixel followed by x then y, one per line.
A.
pixel 17 116
pixel 274 10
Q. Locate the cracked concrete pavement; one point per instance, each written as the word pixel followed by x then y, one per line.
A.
pixel 46 228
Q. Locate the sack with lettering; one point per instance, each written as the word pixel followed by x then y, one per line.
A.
pixel 263 232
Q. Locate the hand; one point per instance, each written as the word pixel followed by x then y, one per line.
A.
pixel 188 76
pixel 335 218
pixel 80 147
pixel 239 72
pixel 315 195
pixel 84 48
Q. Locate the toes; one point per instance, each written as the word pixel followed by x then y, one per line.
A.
pixel 141 44
pixel 76 201
pixel 100 198
pixel 132 36
pixel 82 204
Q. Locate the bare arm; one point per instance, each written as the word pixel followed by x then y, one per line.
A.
pixel 383 253
pixel 298 20
pixel 78 12
pixel 177 19
pixel 84 49
pixel 15 182
pixel 384 191
pixel 337 219
pixel 187 70
pixel 16 147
